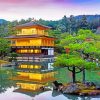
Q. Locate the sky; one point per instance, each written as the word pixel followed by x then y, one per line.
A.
pixel 47 9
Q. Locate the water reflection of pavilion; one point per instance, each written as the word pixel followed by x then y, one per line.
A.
pixel 33 76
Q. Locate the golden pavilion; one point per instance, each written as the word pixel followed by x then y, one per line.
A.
pixel 32 40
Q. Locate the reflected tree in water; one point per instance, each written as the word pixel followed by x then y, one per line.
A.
pixel 5 81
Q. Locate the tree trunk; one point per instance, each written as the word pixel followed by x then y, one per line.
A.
pixel 73 75
pixel 83 75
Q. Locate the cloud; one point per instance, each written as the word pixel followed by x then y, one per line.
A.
pixel 30 2
pixel 46 9
pixel 11 5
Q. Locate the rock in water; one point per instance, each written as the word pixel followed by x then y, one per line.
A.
pixel 72 88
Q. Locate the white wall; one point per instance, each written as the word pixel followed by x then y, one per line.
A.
pixel 51 51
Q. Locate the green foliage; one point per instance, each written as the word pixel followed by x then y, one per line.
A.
pixel 84 52
pixel 10 29
pixel 54 33
pixel 84 41
pixel 90 65
pixel 75 46
pixel 89 48
pixel 13 56
pixel 4 47
pixel 83 24
pixel 80 43
pixel 64 25
pixel 68 60
pixel 67 24
pixel 73 25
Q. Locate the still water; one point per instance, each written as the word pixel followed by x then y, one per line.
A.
pixel 23 81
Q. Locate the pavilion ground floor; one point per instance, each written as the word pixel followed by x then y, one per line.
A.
pixel 34 53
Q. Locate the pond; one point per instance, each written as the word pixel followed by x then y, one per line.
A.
pixel 23 81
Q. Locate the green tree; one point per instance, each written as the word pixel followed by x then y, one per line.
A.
pixel 83 24
pixel 10 28
pixel 83 53
pixel 73 27
pixel 2 31
pixel 13 56
pixel 4 47
pixel 22 21
pixel 64 25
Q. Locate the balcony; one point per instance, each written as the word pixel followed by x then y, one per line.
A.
pixel 44 33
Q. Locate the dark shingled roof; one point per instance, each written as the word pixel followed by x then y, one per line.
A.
pixel 32 23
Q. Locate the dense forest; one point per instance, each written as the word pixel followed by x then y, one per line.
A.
pixel 67 24
pixel 60 29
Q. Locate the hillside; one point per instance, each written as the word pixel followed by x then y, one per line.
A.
pixel 89 17
pixel 66 24
pixel 3 21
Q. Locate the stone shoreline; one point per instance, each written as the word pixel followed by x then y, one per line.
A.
pixel 82 89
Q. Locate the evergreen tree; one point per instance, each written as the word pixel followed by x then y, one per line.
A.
pixel 83 23
pixel 22 21
pixel 10 28
pixel 64 25
pixel 72 24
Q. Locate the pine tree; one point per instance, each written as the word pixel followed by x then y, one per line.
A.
pixel 83 52
pixel 72 24
pixel 64 25
pixel 83 23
